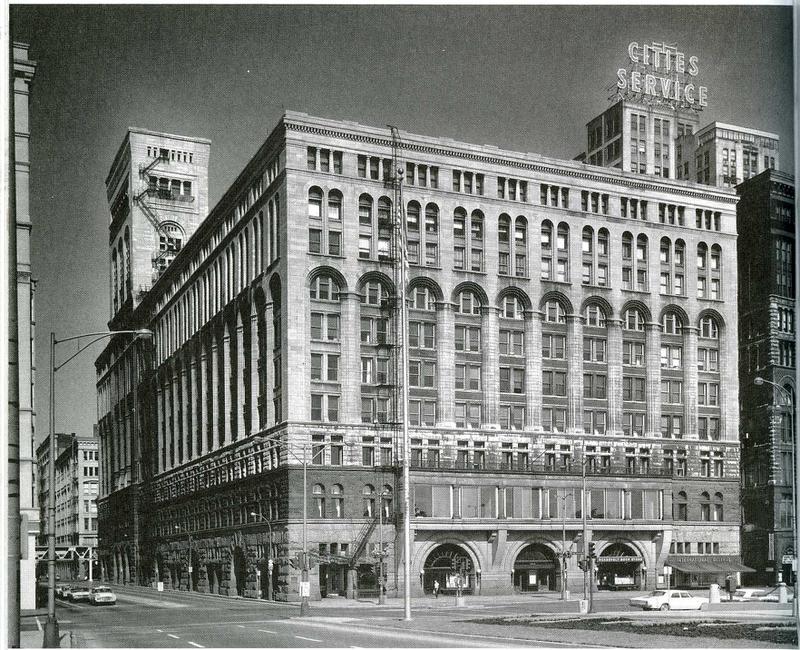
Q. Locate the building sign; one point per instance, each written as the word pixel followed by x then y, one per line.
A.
pixel 660 73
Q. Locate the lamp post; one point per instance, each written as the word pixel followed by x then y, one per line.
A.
pixel 380 554
pixel 565 554
pixel 787 397
pixel 51 635
pixel 269 552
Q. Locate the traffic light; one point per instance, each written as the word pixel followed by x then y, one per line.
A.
pixel 582 565
pixel 591 550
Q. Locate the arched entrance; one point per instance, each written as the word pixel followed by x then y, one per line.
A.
pixel 535 569
pixel 239 565
pixel 619 567
pixel 447 563
pixel 194 564
pixel 212 573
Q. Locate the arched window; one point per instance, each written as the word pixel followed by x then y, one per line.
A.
pixel 431 235
pixel 594 316
pixel 504 245
pixel 413 234
pixel 337 500
pixel 709 328
pixel 717 513
pixel 114 279
pixel 468 303
pixel 671 323
pixel 521 247
pixel 512 308
pixel 324 287
pixel 335 205
pixel 374 293
pixel 641 263
pixel 315 203
pixel 681 506
pixel 368 501
pixel 705 506
pixel 702 271
pixel 554 312
pixel 423 298
pixel 633 320
pixel 715 272
pixel 126 262
pixel 562 253
pixel 384 227
pixel 546 245
pixel 365 231
pixel 318 496
pixel 386 501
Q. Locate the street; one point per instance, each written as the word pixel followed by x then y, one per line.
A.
pixel 144 618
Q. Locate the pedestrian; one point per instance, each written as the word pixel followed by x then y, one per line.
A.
pixel 436 588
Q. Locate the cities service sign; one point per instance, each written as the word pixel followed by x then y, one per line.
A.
pixel 661 73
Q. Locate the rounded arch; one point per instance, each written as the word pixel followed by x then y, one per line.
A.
pixel 639 306
pixel 472 287
pixel 598 301
pixel 559 298
pixel 374 276
pixel 427 283
pixel 275 288
pixel 445 563
pixel 518 293
pixel 714 314
pixel 679 311
pixel 331 272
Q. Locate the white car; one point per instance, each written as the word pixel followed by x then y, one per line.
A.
pixel 79 592
pixel 102 596
pixel 666 599
pixel 748 594
pixel 772 596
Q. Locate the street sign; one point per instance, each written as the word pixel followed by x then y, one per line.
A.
pixel 305 589
pixel 787 559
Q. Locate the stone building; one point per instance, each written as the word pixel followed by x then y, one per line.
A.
pixel 562 318
pixel 767 309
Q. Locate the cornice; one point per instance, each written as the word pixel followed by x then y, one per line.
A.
pixel 532 166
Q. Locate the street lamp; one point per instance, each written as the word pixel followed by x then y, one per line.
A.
pixel 565 554
pixel 381 554
pixel 51 635
pixel 269 552
pixel 787 396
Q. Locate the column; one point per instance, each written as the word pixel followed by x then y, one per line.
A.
pixel 653 382
pixel 215 406
pixel 202 401
pixel 226 404
pixel 533 369
pixel 490 361
pixel 350 359
pixel 574 354
pixel 195 406
pixel 255 384
pixel 159 425
pixel 614 388
pixel 186 409
pixel 240 392
pixel 445 362
pixel 690 382
pixel 174 444
pixel 270 416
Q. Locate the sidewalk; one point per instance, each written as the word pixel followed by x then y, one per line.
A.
pixel 31 634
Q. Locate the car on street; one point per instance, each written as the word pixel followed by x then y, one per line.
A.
pixel 102 596
pixel 667 599
pixel 772 596
pixel 743 594
pixel 62 589
pixel 79 592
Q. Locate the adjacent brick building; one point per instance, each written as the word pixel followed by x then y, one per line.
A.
pixel 767 309
pixel 562 317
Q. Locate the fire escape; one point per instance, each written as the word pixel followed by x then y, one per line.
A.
pixel 389 386
pixel 168 246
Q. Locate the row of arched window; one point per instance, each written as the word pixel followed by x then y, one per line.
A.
pixel 121 281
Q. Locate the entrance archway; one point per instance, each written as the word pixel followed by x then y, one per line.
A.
pixel 619 567
pixel 447 563
pixel 194 564
pixel 535 569
pixel 239 570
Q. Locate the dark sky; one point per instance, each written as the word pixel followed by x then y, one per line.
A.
pixel 525 78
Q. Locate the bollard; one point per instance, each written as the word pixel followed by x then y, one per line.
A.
pixel 713 593
pixel 583 606
pixel 783 593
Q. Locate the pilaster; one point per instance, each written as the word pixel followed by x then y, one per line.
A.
pixel 614 360
pixel 490 362
pixel 445 362
pixel 533 369
pixel 653 381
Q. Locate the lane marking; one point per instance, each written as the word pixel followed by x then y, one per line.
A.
pixel 305 638
pixel 157 630
pixel 196 645
pixel 38 624
pixel 174 636
pixel 240 626
pixel 268 631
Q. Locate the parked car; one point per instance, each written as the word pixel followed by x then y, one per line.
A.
pixel 102 596
pixel 60 590
pixel 79 592
pixel 666 599
pixel 772 596
pixel 742 594
pixel 65 591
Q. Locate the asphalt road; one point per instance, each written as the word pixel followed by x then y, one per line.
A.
pixel 147 619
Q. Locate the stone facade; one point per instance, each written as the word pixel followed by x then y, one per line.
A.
pixel 554 326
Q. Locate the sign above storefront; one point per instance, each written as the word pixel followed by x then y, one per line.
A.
pixel 660 73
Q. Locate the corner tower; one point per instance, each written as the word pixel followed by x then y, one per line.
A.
pixel 157 193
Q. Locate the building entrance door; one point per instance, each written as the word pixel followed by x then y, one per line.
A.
pixel 535 569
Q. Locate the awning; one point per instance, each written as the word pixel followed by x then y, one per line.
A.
pixel 708 564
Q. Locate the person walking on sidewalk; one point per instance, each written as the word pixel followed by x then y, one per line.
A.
pixel 435 588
